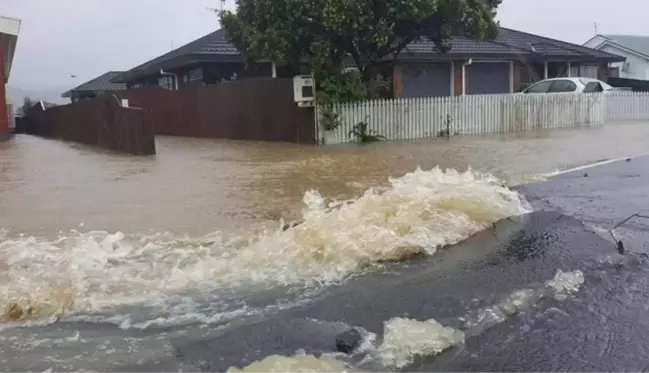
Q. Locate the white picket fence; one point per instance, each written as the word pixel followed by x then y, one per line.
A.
pixel 420 118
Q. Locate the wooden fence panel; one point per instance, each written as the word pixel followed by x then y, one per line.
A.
pixel 101 122
pixel 260 109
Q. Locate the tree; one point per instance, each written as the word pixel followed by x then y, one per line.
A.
pixel 28 103
pixel 372 33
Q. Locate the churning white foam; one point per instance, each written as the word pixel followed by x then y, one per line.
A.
pixel 566 283
pixel 406 339
pixel 415 215
pixel 301 362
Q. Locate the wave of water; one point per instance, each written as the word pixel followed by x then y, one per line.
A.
pixel 415 215
pixel 405 339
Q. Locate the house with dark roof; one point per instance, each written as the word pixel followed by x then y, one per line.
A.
pixel 511 61
pixel 634 48
pixel 95 87
pixel 208 60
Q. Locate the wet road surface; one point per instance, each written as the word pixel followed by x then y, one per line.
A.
pixel 602 328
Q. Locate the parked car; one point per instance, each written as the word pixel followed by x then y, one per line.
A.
pixel 570 85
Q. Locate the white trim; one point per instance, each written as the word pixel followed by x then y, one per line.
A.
pixel 569 66
pixel 463 79
pixel 593 38
pixel 545 70
pixel 9 26
pixel 489 61
pixel 584 167
pixel 616 45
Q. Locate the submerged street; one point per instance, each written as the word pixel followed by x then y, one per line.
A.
pixel 162 264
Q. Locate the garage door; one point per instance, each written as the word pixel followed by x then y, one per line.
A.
pixel 482 78
pixel 426 80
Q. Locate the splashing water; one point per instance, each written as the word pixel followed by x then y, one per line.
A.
pixel 301 362
pixel 566 283
pixel 406 339
pixel 415 215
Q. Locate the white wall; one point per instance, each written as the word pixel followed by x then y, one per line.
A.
pixel 637 66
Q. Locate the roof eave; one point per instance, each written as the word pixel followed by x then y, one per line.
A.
pixel 174 63
pixel 419 56
pixel 620 46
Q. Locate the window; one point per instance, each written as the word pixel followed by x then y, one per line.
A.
pixel 614 72
pixel 562 85
pixel 165 82
pixel 541 87
pixel 593 86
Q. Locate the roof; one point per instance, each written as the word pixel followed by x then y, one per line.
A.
pixel 9 30
pixel 213 47
pixel 98 84
pixel 636 43
pixel 510 44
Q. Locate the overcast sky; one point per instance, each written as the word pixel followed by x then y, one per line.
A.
pixel 86 38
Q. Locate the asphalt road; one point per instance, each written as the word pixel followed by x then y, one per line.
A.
pixel 603 328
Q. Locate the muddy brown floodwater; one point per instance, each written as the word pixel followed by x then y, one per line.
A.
pixel 196 186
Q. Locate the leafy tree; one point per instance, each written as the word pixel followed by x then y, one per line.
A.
pixel 328 34
pixel 28 103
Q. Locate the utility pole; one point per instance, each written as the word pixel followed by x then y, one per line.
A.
pixel 217 10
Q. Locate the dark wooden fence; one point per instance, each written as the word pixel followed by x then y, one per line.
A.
pixel 101 122
pixel 260 109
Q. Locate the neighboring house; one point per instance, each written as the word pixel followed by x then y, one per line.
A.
pixel 95 87
pixel 510 62
pixel 635 48
pixel 9 30
pixel 207 60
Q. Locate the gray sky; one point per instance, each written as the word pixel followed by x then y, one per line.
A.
pixel 86 38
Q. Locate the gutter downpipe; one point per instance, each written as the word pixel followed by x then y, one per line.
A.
pixel 464 65
pixel 175 76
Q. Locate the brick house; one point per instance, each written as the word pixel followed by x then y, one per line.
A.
pixel 511 61
pixel 9 30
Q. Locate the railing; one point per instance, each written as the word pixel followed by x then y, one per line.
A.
pixel 419 118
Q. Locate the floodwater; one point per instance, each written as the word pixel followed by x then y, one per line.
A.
pixel 106 258
pixel 197 186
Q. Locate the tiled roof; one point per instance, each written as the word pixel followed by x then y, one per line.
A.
pixel 509 44
pixel 637 43
pixel 100 83
pixel 214 44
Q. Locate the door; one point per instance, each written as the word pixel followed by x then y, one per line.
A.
pixel 487 77
pixel 426 79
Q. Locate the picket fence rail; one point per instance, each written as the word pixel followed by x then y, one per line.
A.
pixel 430 117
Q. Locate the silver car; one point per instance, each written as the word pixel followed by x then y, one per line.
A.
pixel 570 85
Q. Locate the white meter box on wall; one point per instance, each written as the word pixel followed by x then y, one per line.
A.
pixel 304 90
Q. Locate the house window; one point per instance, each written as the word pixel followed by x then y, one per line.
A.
pixel 165 82
pixel 613 72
